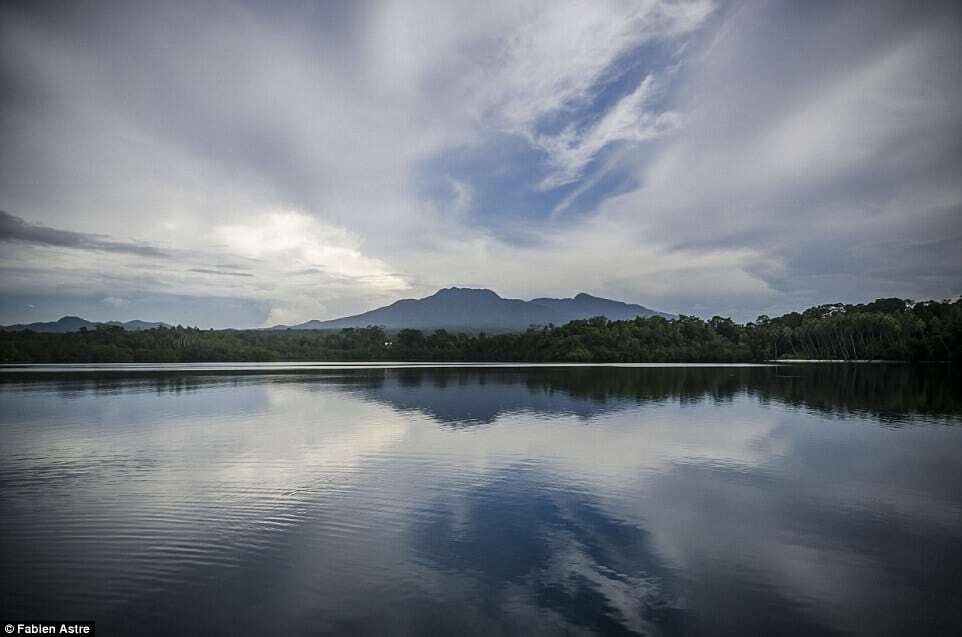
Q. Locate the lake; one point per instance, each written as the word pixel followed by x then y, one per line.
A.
pixel 798 499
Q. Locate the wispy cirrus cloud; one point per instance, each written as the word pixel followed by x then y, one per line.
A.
pixel 629 120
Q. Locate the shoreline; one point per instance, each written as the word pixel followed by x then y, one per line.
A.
pixel 300 366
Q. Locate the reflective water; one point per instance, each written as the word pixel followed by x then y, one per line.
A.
pixel 810 499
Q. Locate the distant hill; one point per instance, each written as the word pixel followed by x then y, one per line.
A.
pixel 480 309
pixel 75 323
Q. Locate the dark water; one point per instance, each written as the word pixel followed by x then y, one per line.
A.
pixel 820 499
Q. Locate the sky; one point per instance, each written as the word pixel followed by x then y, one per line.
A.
pixel 242 164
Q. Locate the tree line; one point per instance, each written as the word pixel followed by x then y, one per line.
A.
pixel 888 329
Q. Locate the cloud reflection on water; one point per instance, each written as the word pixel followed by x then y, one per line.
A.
pixel 666 501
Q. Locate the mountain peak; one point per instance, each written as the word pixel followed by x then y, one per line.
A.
pixel 466 292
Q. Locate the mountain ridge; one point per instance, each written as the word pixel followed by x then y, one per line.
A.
pixel 481 308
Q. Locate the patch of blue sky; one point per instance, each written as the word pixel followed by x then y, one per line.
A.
pixel 503 173
pixel 606 176
pixel 620 79
pixel 503 176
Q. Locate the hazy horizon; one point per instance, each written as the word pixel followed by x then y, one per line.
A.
pixel 437 292
pixel 245 164
pixel 362 312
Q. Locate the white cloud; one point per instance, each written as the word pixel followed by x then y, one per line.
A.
pixel 296 240
pixel 571 150
pixel 528 61
pixel 555 53
pixel 301 259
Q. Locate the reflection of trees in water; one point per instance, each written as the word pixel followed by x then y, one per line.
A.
pixel 888 392
pixel 878 390
pixel 106 384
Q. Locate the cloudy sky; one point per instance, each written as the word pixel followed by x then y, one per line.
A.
pixel 251 163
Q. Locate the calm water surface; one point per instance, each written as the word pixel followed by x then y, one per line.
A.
pixel 810 499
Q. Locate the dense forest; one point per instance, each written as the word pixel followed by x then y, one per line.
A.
pixel 889 329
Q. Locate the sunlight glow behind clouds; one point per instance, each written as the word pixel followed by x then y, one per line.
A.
pixel 295 248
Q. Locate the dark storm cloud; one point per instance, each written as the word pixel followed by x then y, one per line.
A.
pixel 13 228
pixel 220 272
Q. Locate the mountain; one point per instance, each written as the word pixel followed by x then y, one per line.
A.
pixel 75 323
pixel 465 309
pixel 477 309
pixel 585 306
